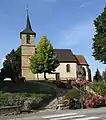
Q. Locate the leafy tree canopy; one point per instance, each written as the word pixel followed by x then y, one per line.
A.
pixel 45 59
pixel 99 40
pixel 12 65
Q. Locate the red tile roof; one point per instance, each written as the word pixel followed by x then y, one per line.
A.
pixel 81 60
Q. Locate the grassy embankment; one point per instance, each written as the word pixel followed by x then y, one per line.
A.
pixel 16 94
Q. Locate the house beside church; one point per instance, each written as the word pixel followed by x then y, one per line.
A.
pixel 69 62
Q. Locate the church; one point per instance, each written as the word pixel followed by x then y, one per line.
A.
pixel 69 62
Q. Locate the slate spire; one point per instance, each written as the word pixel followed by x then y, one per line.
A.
pixel 28 29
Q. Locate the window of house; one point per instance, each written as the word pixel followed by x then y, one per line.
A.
pixel 68 68
pixel 28 39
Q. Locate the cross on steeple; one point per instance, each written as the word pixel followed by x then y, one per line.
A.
pixel 27 9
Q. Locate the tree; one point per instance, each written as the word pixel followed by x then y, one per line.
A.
pixel 17 62
pixel 45 59
pixel 12 65
pixel 104 75
pixel 97 76
pixel 1 76
pixel 99 40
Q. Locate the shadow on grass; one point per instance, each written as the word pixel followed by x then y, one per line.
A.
pixel 28 87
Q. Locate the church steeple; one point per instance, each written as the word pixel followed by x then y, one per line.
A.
pixel 27 37
pixel 28 29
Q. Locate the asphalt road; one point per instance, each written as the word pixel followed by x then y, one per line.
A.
pixel 88 114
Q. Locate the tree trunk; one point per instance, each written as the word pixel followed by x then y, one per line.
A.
pixel 45 76
pixel 37 77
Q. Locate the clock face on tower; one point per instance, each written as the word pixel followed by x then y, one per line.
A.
pixel 28 39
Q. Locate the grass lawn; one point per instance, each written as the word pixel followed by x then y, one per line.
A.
pixel 11 92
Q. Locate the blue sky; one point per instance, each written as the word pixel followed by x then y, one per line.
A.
pixel 67 24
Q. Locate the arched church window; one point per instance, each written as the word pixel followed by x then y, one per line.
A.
pixel 28 39
pixel 68 68
pixel 84 71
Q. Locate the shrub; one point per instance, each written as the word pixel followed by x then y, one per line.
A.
pixel 32 103
pixel 79 83
pixel 92 101
pixel 73 93
pixel 26 101
pixel 11 101
pixel 66 102
pixel 99 87
pixel 22 80
pixel 74 104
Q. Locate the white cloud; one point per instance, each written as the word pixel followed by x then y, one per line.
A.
pixel 76 34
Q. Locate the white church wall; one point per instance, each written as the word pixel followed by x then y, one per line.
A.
pixel 61 69
pixel 64 74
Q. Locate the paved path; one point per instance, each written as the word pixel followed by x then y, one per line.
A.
pixel 66 116
pixel 71 116
pixel 90 114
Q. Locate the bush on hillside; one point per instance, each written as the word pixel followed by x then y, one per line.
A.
pixel 99 87
pixel 73 93
pixel 89 100
pixel 22 80
pixel 33 94
pixel 80 83
pixel 92 101
pixel 24 100
pixel 13 99
pixel 72 99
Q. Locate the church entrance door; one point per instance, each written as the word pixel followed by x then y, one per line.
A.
pixel 57 76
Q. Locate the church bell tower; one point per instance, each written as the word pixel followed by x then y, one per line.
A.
pixel 27 49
